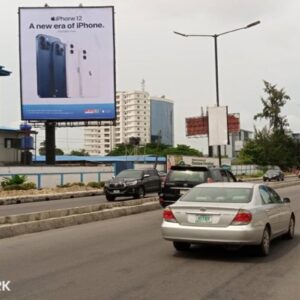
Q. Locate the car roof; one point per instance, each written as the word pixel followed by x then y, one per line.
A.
pixel 229 185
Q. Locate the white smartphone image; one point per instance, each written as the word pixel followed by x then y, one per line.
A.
pixel 72 71
pixel 89 74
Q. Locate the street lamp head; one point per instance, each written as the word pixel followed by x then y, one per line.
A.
pixel 182 34
pixel 253 24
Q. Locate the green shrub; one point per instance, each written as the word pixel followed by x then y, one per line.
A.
pixel 28 186
pixel 13 180
pixel 70 184
pixel 77 184
pixel 65 185
pixel 97 185
pixel 24 186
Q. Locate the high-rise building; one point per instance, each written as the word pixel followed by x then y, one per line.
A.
pixel 162 121
pixel 133 120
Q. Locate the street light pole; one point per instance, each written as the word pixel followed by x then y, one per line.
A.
pixel 215 36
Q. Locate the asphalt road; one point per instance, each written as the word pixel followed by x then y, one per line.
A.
pixel 126 258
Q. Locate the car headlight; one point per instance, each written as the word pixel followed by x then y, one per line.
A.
pixel 131 182
pixel 107 184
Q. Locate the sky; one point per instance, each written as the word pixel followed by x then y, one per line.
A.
pixel 181 68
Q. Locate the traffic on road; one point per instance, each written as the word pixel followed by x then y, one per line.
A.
pixel 127 258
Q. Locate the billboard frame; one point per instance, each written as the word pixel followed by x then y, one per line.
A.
pixel 60 121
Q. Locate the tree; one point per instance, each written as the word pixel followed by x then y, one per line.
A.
pixel 273 145
pixel 80 152
pixel 42 149
pixel 272 105
pixel 270 148
pixel 154 149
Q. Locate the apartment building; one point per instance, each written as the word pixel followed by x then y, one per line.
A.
pixel 133 120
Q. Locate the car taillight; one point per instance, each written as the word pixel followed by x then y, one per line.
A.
pixel 243 217
pixel 210 180
pixel 168 215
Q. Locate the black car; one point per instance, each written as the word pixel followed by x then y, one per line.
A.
pixel 134 183
pixel 180 179
pixel 273 174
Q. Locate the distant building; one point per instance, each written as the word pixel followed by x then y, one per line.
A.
pixel 236 143
pixel 133 120
pixel 162 120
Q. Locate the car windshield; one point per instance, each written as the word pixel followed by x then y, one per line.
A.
pixel 136 174
pixel 218 194
pixel 187 175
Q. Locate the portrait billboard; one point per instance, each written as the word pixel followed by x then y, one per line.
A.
pixel 217 126
pixel 67 63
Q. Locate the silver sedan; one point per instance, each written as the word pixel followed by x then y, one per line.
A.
pixel 236 213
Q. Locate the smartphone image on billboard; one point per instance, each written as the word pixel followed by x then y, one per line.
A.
pixel 89 74
pixel 44 65
pixel 59 69
pixel 72 71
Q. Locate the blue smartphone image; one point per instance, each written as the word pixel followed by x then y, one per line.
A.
pixel 59 69
pixel 44 65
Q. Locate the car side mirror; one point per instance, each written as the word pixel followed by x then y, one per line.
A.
pixel 286 200
pixel 113 177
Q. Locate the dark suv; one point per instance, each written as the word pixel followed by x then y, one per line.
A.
pixel 134 183
pixel 181 179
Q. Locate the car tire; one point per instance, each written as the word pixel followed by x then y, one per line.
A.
pixel 291 233
pixel 140 193
pixel 264 247
pixel 110 197
pixel 181 246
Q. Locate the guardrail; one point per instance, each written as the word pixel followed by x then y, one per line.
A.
pixel 38 178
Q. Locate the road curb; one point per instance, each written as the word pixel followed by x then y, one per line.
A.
pixel 27 225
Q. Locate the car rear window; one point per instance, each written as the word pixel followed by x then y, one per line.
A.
pixel 130 174
pixel 187 175
pixel 218 194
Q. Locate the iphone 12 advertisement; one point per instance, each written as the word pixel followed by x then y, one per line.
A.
pixel 67 60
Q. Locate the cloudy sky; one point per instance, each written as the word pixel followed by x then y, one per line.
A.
pixel 181 68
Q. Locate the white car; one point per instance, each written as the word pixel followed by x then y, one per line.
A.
pixel 234 213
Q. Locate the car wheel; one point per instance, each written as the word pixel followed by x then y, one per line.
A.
pixel 181 246
pixel 290 234
pixel 264 247
pixel 140 193
pixel 110 198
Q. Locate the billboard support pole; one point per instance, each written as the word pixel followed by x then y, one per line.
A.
pixel 50 142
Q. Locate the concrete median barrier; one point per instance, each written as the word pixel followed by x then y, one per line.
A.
pixel 45 197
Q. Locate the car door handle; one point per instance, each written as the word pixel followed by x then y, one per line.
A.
pixel 268 210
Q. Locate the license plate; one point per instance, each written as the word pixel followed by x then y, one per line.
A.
pixel 116 191
pixel 200 219
pixel 203 219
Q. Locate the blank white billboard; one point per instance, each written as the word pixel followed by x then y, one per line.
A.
pixel 217 126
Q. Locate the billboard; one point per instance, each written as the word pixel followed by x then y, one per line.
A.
pixel 196 126
pixel 217 126
pixel 67 63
